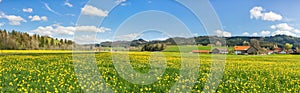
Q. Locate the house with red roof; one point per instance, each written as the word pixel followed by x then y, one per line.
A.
pixel 242 50
pixel 277 50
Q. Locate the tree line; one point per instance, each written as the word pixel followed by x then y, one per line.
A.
pixel 264 42
pixel 14 40
pixel 153 47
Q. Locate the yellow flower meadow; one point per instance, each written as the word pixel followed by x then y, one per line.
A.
pixel 54 72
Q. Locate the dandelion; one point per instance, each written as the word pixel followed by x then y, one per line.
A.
pixel 11 84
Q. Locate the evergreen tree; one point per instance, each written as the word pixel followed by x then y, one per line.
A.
pixel 42 42
pixel 52 42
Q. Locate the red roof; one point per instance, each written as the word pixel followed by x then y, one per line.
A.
pixel 278 49
pixel 240 48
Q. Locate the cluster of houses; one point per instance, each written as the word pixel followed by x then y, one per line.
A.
pixel 244 50
pixel 282 51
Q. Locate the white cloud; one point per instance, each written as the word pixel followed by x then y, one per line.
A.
pixel 88 39
pixel 93 11
pixel 285 29
pixel 28 10
pixel 2 24
pixel 162 38
pixel 85 39
pixel 223 33
pixel 47 31
pixel 255 34
pixel 282 26
pixel 296 31
pixel 38 18
pixel 259 13
pixel 67 3
pixel 44 18
pixel 227 34
pixel 271 16
pixel 50 9
pixel 256 12
pixel 13 19
pixel 92 29
pixel 195 34
pixel 121 2
pixel 265 33
pixel 56 29
pixel 127 37
pixel 245 34
pixel 279 32
pixel 2 15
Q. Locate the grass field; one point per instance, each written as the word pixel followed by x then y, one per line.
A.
pixel 54 72
pixel 33 51
pixel 187 48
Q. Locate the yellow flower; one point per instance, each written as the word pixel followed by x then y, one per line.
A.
pixel 141 89
pixel 11 84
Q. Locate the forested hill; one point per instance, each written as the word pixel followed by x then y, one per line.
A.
pixel 268 42
pixel 20 40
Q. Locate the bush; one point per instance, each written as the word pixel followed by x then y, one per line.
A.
pixel 153 47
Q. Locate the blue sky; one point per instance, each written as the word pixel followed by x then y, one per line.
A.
pixel 132 19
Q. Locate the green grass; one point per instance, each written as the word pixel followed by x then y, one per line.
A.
pixel 188 48
pixel 42 72
pixel 185 48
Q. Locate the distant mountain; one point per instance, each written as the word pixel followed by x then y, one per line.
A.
pixel 267 42
pixel 270 41
pixel 20 40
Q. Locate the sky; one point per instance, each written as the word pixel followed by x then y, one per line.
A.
pixel 108 20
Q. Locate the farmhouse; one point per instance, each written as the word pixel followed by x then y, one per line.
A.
pixel 220 51
pixel 283 52
pixel 277 50
pixel 201 51
pixel 270 52
pixel 296 52
pixel 245 50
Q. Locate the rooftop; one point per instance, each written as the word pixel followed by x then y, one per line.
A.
pixel 240 48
